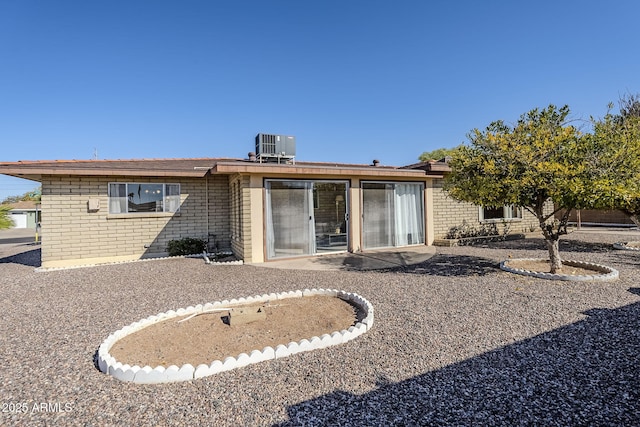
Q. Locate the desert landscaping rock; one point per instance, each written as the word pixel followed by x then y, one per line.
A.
pixel 456 341
pixel 586 270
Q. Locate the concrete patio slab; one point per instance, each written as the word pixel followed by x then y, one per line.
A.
pixel 357 261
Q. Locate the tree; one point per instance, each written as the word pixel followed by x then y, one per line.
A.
pixel 34 195
pixel 622 133
pixel 5 221
pixel 539 159
pixel 437 154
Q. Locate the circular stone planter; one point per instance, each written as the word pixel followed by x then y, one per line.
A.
pixel 627 246
pixel 601 272
pixel 159 374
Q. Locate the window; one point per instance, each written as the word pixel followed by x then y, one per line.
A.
pixel 143 197
pixel 502 213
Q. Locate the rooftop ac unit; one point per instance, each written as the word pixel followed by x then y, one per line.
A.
pixel 275 147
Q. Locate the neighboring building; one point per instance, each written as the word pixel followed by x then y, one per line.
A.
pixel 113 210
pixel 25 214
pixel 605 217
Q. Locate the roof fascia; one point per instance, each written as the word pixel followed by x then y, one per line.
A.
pixel 26 172
pixel 265 168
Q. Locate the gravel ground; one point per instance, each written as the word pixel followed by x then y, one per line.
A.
pixel 456 342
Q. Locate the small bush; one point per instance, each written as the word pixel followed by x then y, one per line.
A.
pixel 467 230
pixel 186 246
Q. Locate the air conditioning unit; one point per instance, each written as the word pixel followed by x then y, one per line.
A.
pixel 275 147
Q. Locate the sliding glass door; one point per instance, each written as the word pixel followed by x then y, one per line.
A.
pixel 393 214
pixel 378 215
pixel 305 217
pixel 409 214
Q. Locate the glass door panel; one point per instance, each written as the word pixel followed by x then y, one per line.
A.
pixel 393 214
pixel 305 218
pixel 409 209
pixel 378 215
pixel 330 207
pixel 289 219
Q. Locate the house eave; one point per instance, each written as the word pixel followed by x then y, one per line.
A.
pixel 293 169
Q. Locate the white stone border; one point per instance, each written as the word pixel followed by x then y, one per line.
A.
pixel 608 273
pixel 151 259
pixel 148 375
pixel 624 246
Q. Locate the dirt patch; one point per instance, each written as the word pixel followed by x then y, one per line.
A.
pixel 208 337
pixel 542 266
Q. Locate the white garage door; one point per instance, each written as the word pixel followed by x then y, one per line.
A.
pixel 19 220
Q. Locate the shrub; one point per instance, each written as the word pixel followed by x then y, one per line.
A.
pixel 186 246
pixel 467 230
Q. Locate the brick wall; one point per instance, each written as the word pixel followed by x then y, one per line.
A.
pixel 448 213
pixel 240 217
pixel 220 211
pixel 71 232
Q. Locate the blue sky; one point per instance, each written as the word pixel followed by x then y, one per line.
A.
pixel 352 80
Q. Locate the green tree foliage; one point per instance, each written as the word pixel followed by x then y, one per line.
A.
pixel 538 159
pixel 437 154
pixel 621 134
pixel 34 195
pixel 5 221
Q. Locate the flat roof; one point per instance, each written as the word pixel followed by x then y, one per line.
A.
pixel 200 167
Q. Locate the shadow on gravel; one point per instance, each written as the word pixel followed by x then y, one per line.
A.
pixel 451 265
pixel 630 258
pixel 586 373
pixel 96 360
pixel 380 260
pixel 30 258
pixel 565 245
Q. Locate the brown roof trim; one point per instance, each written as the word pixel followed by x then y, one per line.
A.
pixel 136 167
pixel 200 167
pixel 430 166
pixel 313 169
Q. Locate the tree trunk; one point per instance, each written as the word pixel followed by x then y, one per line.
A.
pixel 636 219
pixel 554 255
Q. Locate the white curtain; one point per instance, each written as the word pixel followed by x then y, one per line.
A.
pixel 311 233
pixel 271 240
pixel 409 223
pixel 378 221
pixel 390 216
pixel 117 198
pixel 393 214
pixel 172 198
pixel 290 219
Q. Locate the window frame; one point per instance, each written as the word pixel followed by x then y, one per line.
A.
pixel 166 202
pixel 508 212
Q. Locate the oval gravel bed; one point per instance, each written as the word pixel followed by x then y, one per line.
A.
pixel 577 271
pixel 206 337
pixel 200 341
